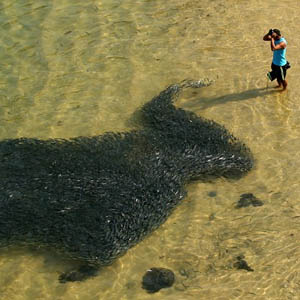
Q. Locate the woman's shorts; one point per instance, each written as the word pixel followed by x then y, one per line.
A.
pixel 278 72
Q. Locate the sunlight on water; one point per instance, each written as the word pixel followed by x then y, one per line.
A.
pixel 82 69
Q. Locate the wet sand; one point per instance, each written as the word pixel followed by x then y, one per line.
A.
pixel 82 69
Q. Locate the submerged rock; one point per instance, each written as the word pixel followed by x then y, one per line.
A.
pixel 92 198
pixel 247 200
pixel 212 194
pixel 241 264
pixel 157 278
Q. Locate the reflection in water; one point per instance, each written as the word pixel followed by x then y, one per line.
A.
pixel 80 69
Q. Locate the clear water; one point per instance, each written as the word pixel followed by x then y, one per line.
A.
pixel 82 68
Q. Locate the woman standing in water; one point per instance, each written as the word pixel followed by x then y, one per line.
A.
pixel 279 63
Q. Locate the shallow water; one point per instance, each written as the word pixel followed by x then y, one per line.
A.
pixel 82 69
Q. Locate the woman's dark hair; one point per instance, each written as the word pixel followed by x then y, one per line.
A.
pixel 277 31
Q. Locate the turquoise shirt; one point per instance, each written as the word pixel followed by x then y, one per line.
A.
pixel 279 55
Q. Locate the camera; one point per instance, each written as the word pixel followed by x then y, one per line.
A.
pixel 270 32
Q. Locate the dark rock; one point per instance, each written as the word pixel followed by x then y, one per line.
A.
pixel 157 278
pixel 212 194
pixel 241 264
pixel 247 200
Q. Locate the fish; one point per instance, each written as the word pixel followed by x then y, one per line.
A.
pixel 92 198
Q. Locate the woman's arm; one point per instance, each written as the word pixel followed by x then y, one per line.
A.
pixel 281 45
pixel 267 37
